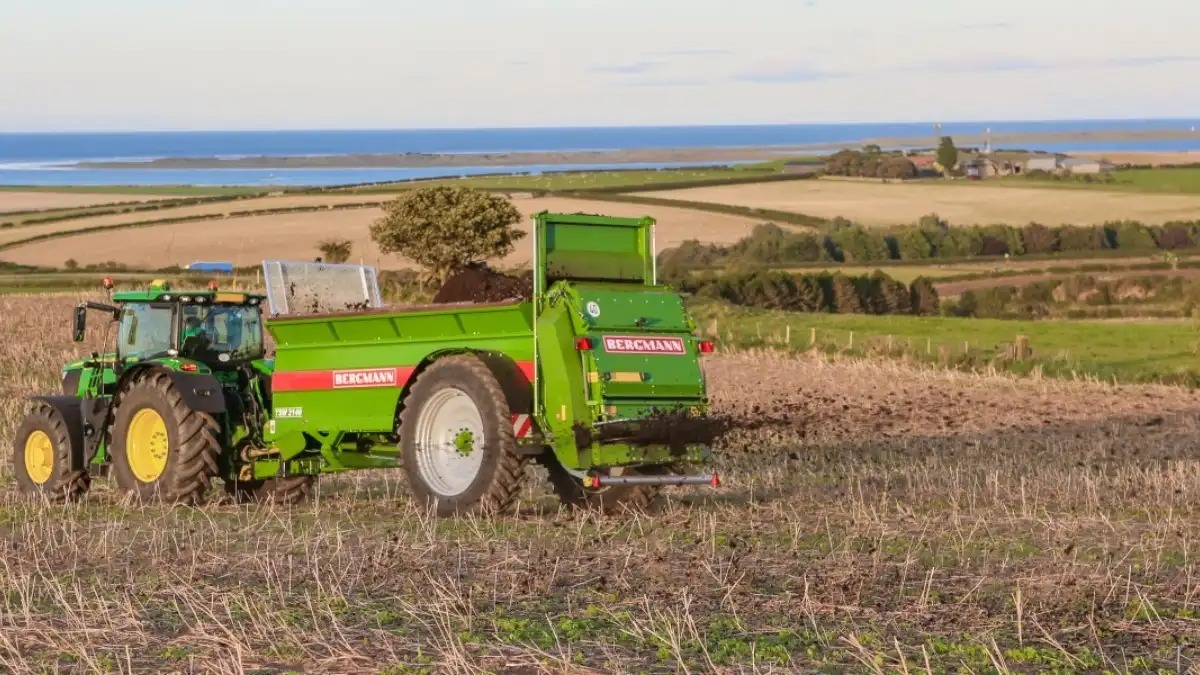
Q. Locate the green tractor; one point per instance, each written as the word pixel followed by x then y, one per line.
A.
pixel 185 384
pixel 595 375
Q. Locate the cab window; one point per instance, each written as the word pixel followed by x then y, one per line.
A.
pixel 145 330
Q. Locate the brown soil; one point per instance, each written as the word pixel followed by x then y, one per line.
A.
pixel 483 284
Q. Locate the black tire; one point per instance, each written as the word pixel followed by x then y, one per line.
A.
pixel 193 443
pixel 497 480
pixel 284 491
pixel 62 484
pixel 606 499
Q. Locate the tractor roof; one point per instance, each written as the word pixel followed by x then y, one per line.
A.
pixel 161 291
pixel 189 296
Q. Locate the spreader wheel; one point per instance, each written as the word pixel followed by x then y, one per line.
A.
pixel 456 438
pixel 162 449
pixel 42 457
pixel 607 498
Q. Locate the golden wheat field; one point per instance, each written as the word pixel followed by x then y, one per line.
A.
pixel 895 204
pixel 294 236
pixel 876 518
pixel 17 200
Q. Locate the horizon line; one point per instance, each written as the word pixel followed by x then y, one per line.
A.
pixel 373 129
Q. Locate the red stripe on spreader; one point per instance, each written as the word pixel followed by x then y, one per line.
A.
pixel 356 378
pixel 527 368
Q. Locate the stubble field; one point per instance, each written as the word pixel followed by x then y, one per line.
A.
pixel 876 518
pixel 19 200
pixel 961 204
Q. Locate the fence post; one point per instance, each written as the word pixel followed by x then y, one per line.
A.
pixel 788 334
pixel 1022 347
pixel 851 340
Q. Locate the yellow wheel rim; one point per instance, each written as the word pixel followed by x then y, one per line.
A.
pixel 146 445
pixel 39 457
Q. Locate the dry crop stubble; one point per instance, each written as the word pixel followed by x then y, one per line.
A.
pixel 883 516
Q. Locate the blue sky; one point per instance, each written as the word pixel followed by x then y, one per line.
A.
pixel 232 64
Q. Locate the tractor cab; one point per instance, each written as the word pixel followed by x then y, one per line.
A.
pixel 213 327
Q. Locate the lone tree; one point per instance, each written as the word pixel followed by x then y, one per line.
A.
pixel 446 229
pixel 334 250
pixel 947 155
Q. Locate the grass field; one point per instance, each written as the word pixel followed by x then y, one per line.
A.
pixel 959 203
pixel 250 239
pixel 1133 351
pixel 880 518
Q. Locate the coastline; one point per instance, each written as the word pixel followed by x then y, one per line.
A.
pixel 721 155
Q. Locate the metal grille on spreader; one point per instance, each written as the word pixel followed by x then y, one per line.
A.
pixel 297 288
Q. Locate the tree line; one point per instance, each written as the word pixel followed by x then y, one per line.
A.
pixel 930 238
pixel 876 293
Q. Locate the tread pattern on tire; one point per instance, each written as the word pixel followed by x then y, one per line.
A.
pixel 502 492
pixel 198 447
pixel 66 485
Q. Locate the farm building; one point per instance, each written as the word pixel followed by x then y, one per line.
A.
pixel 1068 165
pixel 1081 165
pixel 1042 164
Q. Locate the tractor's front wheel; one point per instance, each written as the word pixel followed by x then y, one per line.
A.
pixel 457 444
pixel 162 449
pixel 42 457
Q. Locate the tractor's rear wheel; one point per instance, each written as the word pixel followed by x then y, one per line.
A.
pixel 162 449
pixel 456 437
pixel 42 457
pixel 606 499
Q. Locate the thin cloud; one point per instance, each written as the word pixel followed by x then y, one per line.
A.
pixel 691 53
pixel 670 82
pixel 1142 61
pixel 1007 63
pixel 635 68
pixel 786 75
pixel 986 64
pixel 990 25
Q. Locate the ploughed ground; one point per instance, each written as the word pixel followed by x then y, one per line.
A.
pixel 874 518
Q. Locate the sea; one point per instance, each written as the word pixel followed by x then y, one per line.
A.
pixel 47 158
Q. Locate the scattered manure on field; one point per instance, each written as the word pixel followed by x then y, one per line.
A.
pixel 480 283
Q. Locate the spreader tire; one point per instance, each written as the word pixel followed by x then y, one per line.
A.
pixel 456 439
pixel 162 449
pixel 42 457
pixel 606 499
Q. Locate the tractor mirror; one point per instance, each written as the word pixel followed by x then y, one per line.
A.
pixel 80 323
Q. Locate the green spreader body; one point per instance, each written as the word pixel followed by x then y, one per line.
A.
pixel 600 365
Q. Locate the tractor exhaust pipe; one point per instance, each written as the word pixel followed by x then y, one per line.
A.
pixel 594 481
